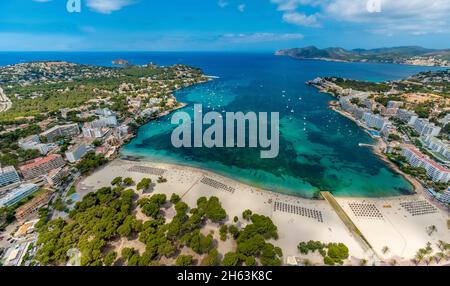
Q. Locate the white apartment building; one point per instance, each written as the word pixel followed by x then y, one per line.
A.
pixel 389 112
pixel 61 130
pixel 75 153
pixel 437 146
pixel 90 132
pixel 18 194
pixel 407 116
pixel 374 121
pixel 445 120
pixel 425 128
pixel 33 143
pixel 9 178
pixel 388 129
pixel 394 104
pixel 105 112
pixel 105 121
pixel 354 110
pixel 435 171
pixel 369 103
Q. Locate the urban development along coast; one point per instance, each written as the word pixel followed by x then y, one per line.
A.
pixel 68 121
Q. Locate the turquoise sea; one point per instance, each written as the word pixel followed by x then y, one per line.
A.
pixel 318 147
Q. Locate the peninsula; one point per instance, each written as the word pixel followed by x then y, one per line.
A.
pixel 400 55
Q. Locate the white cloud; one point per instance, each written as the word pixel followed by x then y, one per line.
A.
pixel 293 16
pixel 291 5
pixel 416 17
pixel 410 16
pixel 301 19
pixel 241 8
pixel 108 6
pixel 260 37
pixel 223 3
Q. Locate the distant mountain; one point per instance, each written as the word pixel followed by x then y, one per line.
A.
pixel 402 55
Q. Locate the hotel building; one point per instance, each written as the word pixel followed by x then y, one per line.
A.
pixel 406 116
pixel 17 194
pixel 61 130
pixel 33 143
pixel 354 110
pixel 76 152
pixel 90 132
pixel 104 112
pixel 394 104
pixel 435 171
pixel 56 177
pixel 374 121
pixel 437 146
pixel 41 166
pixel 425 128
pixel 8 178
pixel 105 121
pixel 389 112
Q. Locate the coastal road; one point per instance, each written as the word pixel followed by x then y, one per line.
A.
pixel 5 102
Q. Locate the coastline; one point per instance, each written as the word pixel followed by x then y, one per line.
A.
pixel 362 61
pixel 145 160
pixel 377 150
pixel 416 186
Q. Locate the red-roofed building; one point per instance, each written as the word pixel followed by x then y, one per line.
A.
pixel 41 166
pixel 435 171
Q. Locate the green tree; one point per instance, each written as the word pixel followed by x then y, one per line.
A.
pixel 144 184
pixel 337 252
pixel 128 182
pixel 270 255
pixel 184 260
pixel 174 199
pixel 234 231
pixel 117 181
pixel 97 143
pixel 223 232
pixel 212 208
pixel 127 253
pixel 250 261
pixel 247 214
pixel 110 258
pixel 212 259
pixel 167 249
pixel 230 259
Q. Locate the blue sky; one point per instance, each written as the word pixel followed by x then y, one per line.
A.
pixel 221 25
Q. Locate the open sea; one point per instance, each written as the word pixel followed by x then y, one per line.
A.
pixel 318 147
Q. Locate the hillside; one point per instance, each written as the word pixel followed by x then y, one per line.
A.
pixel 401 55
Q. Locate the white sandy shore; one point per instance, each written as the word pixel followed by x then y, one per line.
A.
pixel 398 230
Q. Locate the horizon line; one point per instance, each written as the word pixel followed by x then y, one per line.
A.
pixel 212 51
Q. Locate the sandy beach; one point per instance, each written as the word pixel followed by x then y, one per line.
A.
pixel 297 219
